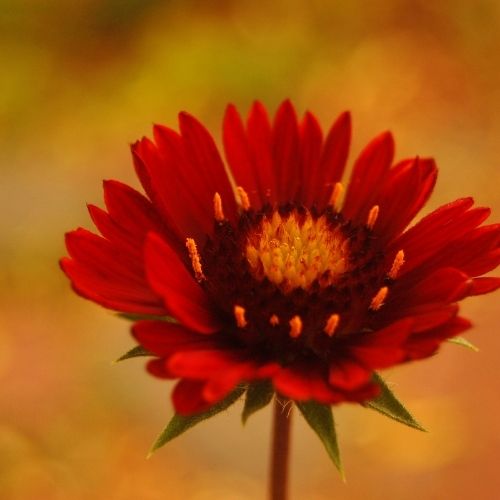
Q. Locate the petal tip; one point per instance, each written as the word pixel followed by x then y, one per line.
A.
pixel 345 118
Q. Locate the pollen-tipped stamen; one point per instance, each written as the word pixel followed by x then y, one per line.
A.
pixel 296 249
pixel 244 200
pixel 378 300
pixel 274 320
pixel 295 327
pixel 331 324
pixel 195 259
pixel 239 316
pixel 372 216
pixel 218 212
pixel 399 260
pixel 337 192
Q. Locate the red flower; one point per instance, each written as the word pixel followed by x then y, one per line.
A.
pixel 273 280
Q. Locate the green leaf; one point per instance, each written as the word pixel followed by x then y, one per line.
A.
pixel 464 343
pixel 135 352
pixel 387 404
pixel 180 424
pixel 320 419
pixel 258 396
pixel 139 317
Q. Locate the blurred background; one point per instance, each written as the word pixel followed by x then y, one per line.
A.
pixel 81 80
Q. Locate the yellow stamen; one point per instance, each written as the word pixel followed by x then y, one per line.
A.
pixel 399 260
pixel 337 192
pixel 295 327
pixel 239 315
pixel 244 200
pixel 274 320
pixel 294 251
pixel 331 324
pixel 218 212
pixel 378 300
pixel 195 259
pixel 372 216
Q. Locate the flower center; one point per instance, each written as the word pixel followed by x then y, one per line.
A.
pixel 294 250
pixel 292 281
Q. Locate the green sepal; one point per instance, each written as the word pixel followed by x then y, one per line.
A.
pixel 180 424
pixel 387 404
pixel 320 419
pixel 258 396
pixel 135 352
pixel 151 317
pixel 464 343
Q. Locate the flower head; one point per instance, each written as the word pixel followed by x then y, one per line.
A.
pixel 269 271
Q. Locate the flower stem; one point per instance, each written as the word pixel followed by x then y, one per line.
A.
pixel 280 450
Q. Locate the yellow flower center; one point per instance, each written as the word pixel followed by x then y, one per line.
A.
pixel 295 250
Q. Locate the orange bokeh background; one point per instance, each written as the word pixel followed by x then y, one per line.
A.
pixel 80 81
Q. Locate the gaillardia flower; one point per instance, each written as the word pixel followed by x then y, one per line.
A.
pixel 261 269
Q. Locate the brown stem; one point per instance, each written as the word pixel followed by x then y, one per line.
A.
pixel 280 450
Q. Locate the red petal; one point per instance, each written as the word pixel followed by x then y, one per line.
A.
pixel 432 241
pixel 204 364
pixel 267 370
pixel 481 286
pixel 367 178
pixel 348 375
pixel 177 191
pixel 108 293
pixel 103 272
pixel 222 381
pixel 286 152
pixel 259 142
pixel 100 255
pixel 431 316
pixel 442 286
pixel 379 357
pixel 187 397
pixel 184 298
pixel 304 384
pixel 394 334
pixel 333 160
pixel 424 344
pixel 465 255
pixel 239 157
pixel 114 232
pixel 172 153
pixel 130 209
pixel 206 162
pixel 462 252
pixel 364 393
pixel 163 338
pixel 218 387
pixel 382 348
pixel 431 224
pixel 141 170
pixel 131 216
pixel 484 263
pixel 158 368
pixel 109 284
pixel 311 140
pixel 406 190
